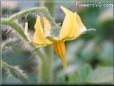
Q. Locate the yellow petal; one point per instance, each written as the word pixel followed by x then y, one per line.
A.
pixel 78 28
pixel 72 26
pixel 39 37
pixel 67 23
pixel 60 50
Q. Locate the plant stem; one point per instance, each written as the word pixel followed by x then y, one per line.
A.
pixel 24 12
pixel 4 64
pixel 46 66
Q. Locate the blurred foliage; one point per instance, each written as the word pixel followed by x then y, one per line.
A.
pixel 90 57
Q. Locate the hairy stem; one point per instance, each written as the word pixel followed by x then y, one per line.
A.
pixel 46 67
pixel 16 27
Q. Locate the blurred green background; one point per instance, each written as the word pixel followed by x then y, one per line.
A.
pixel 90 57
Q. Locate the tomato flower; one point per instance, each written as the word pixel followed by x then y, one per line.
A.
pixel 72 28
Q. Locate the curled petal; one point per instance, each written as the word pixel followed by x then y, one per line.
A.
pixel 39 38
pixel 72 25
pixel 67 23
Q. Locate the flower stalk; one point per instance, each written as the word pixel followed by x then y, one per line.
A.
pixel 46 68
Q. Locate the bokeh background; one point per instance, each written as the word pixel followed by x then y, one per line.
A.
pixel 90 57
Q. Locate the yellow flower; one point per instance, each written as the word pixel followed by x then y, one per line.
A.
pixel 72 28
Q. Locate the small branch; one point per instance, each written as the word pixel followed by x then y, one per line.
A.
pixel 14 71
pixel 24 12
pixel 4 64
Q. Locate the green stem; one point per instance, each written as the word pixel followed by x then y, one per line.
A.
pixel 5 64
pixel 24 12
pixel 46 67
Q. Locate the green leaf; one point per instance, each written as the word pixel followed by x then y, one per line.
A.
pixel 101 75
